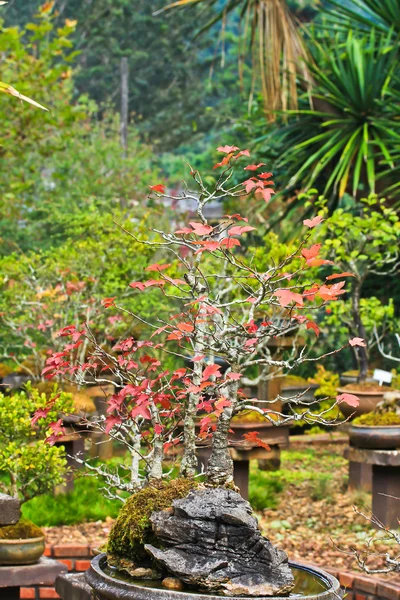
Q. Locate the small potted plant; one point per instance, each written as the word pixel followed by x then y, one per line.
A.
pixel 30 464
pixel 380 429
pixel 364 243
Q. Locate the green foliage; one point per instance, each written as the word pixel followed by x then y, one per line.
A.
pixel 28 465
pixel 84 504
pixel 381 15
pixel 349 139
pixel 375 419
pixel 327 382
pixel 264 491
pixel 133 528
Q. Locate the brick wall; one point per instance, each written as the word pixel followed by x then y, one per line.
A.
pixel 77 559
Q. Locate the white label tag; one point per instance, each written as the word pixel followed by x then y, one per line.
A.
pixel 382 376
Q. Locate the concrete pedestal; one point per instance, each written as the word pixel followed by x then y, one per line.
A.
pixel 42 573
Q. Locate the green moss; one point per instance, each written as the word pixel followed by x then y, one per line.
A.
pixel 23 530
pixel 251 416
pixel 294 380
pixel 371 419
pixel 132 529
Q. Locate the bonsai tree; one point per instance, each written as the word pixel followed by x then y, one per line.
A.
pixel 363 243
pixel 30 424
pixel 228 305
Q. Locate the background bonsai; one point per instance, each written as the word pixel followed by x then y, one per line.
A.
pixel 30 464
pixel 227 303
pixel 365 243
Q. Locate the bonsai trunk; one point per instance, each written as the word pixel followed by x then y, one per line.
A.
pixel 361 352
pixel 220 464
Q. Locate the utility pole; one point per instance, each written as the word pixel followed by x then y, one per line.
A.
pixel 124 105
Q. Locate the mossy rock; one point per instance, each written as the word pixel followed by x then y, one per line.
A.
pixel 132 530
pixel 23 530
pixel 374 419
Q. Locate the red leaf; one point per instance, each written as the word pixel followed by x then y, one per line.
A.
pixel 223 162
pixel 227 149
pixel 221 404
pixel 158 429
pixel 312 252
pixel 230 242
pixel 107 302
pixel 210 246
pixel 200 229
pixel 233 376
pixel 357 341
pixel 111 421
pixel 265 175
pixel 185 327
pixel 338 275
pixel 211 370
pixel 237 216
pixel 314 327
pixel 254 440
pixel 349 399
pixel 331 292
pixel 254 167
pixel 249 184
pixel 198 358
pixel 239 230
pixel 244 153
pixel 160 188
pixel 184 230
pixel 157 267
pixel 141 410
pixel 286 297
pixel 266 193
pixel 137 285
pixel 313 222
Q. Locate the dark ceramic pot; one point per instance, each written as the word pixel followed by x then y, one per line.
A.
pixel 368 402
pixel 346 379
pixel 311 582
pixel 21 552
pixel 305 391
pixel 377 437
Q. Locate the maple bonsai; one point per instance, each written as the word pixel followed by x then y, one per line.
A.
pixel 227 304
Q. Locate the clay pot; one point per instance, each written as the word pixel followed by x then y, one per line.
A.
pixel 307 391
pixel 21 552
pixel 368 402
pixel 375 437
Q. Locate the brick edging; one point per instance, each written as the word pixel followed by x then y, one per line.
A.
pixel 77 559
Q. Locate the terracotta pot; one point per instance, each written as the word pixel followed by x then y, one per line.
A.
pixel 375 437
pixel 21 552
pixel 310 582
pixel 368 402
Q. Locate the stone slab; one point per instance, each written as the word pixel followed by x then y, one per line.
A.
pixel 383 458
pixel 73 586
pixel 9 510
pixel 42 573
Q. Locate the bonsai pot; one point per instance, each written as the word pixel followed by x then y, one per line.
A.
pixel 21 552
pixel 368 401
pixel 306 390
pixel 346 378
pixel 109 584
pixel 375 437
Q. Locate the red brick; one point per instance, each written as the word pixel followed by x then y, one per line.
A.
pixel 365 584
pixel 360 596
pixel 27 593
pixel 82 565
pixel 68 563
pixel 390 591
pixel 67 550
pixel 346 580
pixel 47 551
pixel 48 593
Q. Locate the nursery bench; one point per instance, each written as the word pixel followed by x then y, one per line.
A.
pixel 385 481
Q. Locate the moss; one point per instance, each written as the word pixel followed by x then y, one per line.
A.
pixel 365 387
pixel 23 530
pixel 251 416
pixel 356 373
pixel 371 419
pixel 132 529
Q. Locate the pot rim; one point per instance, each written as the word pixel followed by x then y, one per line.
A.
pixel 95 571
pixel 361 393
pixel 392 426
pixel 23 541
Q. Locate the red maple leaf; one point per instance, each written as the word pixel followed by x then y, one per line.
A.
pixel 254 440
pixel 313 222
pixel 157 267
pixel 200 229
pixel 357 341
pixel 239 230
pixel 230 242
pixel 338 275
pixel 160 188
pixel 211 370
pixel 286 297
pixel 254 167
pixel 349 399
pixel 227 149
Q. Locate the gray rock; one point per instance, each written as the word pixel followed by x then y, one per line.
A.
pixel 212 542
pixel 9 510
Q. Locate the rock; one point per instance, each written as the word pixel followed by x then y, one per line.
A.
pixel 211 541
pixel 9 510
pixel 143 573
pixel 173 583
pixel 126 564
